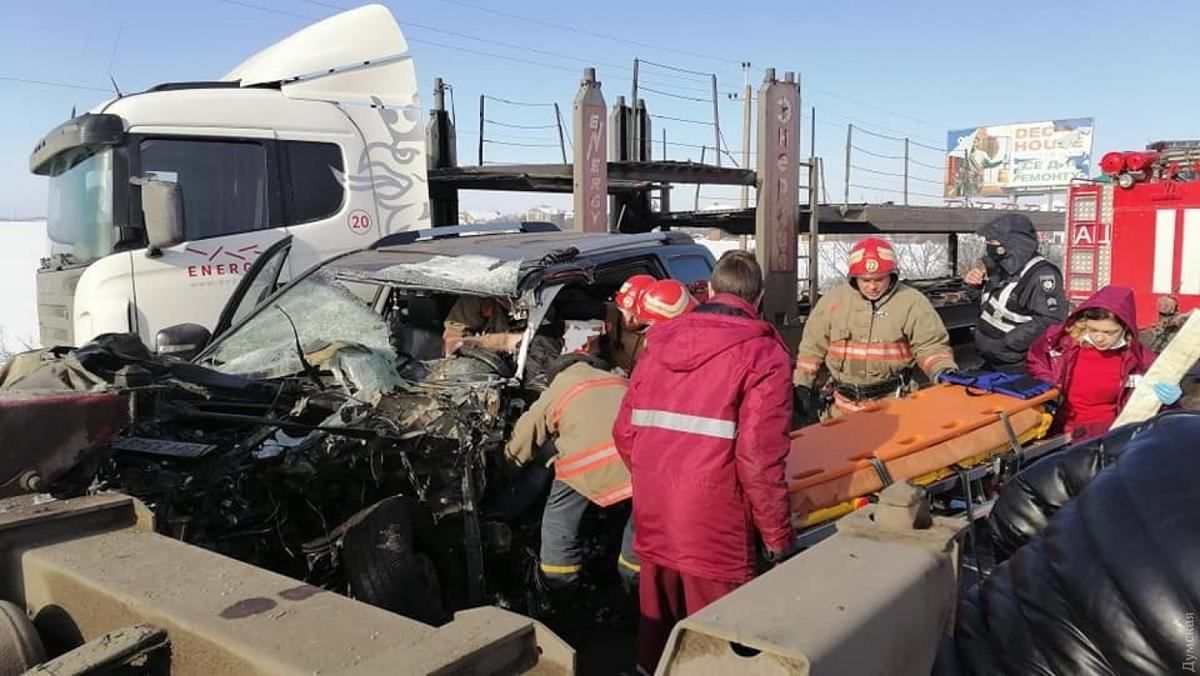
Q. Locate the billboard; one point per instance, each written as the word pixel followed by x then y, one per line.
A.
pixel 998 160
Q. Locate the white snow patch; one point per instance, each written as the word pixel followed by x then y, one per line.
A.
pixel 22 246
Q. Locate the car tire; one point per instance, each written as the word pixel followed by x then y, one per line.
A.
pixel 20 646
pixel 385 565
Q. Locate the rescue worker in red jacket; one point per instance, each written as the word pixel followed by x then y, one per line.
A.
pixel 1095 358
pixel 570 424
pixel 871 334
pixel 704 431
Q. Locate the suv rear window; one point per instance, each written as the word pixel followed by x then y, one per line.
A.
pixel 689 268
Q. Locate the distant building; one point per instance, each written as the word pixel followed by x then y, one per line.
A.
pixel 547 214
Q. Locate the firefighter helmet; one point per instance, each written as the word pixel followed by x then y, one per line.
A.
pixel 872 256
pixel 631 292
pixel 663 300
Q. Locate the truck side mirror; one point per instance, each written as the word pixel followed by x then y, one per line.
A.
pixel 183 341
pixel 162 212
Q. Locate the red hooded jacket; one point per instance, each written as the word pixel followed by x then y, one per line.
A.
pixel 1054 355
pixel 704 430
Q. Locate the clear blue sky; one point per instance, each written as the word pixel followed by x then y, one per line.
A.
pixel 914 68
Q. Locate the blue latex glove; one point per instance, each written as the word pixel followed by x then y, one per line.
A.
pixel 1167 393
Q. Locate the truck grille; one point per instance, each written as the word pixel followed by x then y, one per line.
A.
pixel 56 304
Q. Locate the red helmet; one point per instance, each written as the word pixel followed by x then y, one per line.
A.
pixel 631 292
pixel 663 300
pixel 872 256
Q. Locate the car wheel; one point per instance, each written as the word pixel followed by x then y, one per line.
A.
pixel 386 568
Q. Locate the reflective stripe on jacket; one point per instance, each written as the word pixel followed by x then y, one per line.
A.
pixel 704 429
pixel 577 410
pixel 864 343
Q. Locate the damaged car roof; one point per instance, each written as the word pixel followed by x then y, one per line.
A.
pixel 487 265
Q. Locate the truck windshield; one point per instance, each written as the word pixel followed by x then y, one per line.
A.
pixel 79 218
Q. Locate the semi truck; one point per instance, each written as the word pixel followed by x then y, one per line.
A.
pixel 161 200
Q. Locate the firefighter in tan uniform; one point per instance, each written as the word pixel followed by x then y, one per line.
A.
pixel 870 334
pixel 574 417
pixel 480 322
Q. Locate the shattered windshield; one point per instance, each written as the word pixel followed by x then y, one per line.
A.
pixel 323 310
pixel 79 217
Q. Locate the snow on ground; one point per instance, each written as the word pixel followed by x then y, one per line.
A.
pixel 22 245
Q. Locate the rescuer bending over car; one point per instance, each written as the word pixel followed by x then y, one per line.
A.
pixel 870 334
pixel 481 322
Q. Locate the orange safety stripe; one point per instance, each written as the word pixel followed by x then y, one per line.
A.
pixel 612 497
pixel 586 461
pixel 929 362
pixel 808 364
pixel 870 351
pixel 579 389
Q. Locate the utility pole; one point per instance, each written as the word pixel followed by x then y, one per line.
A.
pixel 481 98
pixel 562 145
pixel 716 121
pixel 814 228
pixel 849 142
pixel 906 171
pixel 747 121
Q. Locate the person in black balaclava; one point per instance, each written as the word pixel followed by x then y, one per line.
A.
pixel 1022 294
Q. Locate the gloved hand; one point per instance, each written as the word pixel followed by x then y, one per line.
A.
pixel 1167 393
pixel 776 557
pixel 941 377
pixel 803 412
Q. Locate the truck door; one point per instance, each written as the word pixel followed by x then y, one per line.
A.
pixel 232 214
pixel 324 214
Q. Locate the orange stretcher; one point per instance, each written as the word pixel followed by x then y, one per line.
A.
pixel 834 464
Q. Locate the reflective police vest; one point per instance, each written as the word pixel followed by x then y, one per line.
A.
pixel 998 304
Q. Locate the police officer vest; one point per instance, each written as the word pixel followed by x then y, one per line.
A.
pixel 1000 310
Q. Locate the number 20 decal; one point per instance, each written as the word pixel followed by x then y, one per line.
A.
pixel 359 222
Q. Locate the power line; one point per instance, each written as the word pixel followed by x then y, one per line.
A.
pixel 925 180
pixel 926 165
pixel 525 104
pixel 879 155
pixel 675 96
pixel 875 171
pixel 604 36
pixel 283 12
pixel 48 83
pixel 876 134
pixel 681 119
pixel 934 148
pixel 875 107
pixel 580 31
pixel 519 145
pixel 677 69
pixel 894 191
pixel 521 126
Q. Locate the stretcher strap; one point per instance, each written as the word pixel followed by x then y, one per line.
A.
pixel 881 469
pixel 1013 440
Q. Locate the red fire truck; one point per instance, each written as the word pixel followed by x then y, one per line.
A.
pixel 1140 227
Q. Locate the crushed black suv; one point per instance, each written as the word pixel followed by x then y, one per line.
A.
pixel 320 432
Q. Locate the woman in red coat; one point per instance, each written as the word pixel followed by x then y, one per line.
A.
pixel 1094 358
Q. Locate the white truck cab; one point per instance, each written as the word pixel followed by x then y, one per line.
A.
pixel 319 137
